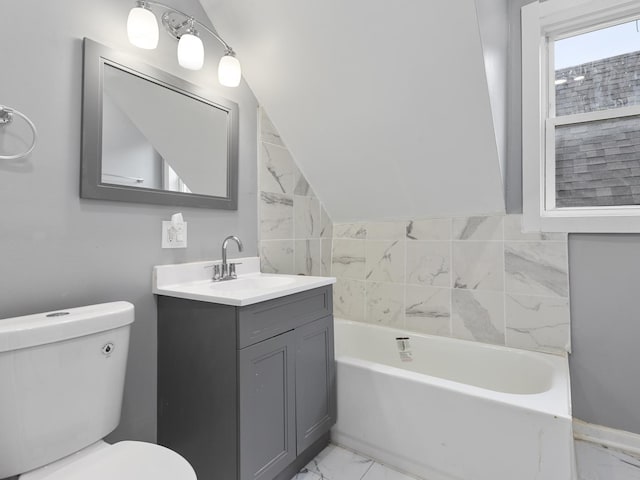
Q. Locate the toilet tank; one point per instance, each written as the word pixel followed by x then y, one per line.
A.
pixel 61 382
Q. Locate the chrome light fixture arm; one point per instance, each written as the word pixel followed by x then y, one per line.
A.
pixel 176 26
pixel 143 31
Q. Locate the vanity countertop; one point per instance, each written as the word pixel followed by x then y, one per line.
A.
pixel 193 281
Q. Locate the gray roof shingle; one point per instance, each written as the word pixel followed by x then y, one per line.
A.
pixel 598 163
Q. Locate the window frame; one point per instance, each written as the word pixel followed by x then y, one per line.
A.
pixel 542 24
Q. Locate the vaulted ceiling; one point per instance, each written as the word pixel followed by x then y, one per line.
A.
pixel 385 105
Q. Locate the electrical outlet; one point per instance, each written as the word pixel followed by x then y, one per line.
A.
pixel 174 236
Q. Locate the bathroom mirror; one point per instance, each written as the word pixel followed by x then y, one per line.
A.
pixel 151 137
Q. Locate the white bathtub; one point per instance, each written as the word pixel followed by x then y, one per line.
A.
pixel 458 411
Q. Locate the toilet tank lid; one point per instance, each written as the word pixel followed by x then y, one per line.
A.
pixel 49 327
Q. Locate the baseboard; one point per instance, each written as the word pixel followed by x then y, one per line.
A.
pixel 607 437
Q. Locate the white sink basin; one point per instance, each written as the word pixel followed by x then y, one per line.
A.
pixel 260 281
pixel 193 281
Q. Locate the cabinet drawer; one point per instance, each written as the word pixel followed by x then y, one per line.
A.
pixel 273 317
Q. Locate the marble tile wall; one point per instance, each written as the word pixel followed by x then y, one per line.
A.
pixel 476 278
pixel 295 230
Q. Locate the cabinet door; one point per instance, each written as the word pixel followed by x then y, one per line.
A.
pixel 315 381
pixel 267 407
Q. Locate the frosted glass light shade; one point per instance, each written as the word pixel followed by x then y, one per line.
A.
pixel 142 28
pixel 229 71
pixel 190 52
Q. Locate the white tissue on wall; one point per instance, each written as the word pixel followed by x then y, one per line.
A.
pixel 174 232
pixel 178 227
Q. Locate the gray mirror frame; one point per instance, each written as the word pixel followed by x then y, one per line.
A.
pixel 91 186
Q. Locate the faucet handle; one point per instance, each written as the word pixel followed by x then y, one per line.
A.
pixel 216 271
pixel 232 269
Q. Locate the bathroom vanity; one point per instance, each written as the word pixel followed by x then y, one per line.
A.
pixel 246 383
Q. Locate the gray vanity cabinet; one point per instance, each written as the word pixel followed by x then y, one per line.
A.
pixel 267 407
pixel 246 393
pixel 315 379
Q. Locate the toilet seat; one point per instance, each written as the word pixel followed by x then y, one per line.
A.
pixel 127 460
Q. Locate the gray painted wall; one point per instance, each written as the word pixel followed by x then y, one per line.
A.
pixel 605 326
pixel 374 117
pixel 604 290
pixel 61 251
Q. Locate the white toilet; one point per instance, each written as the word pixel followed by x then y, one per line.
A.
pixel 61 384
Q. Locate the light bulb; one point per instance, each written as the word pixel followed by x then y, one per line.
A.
pixel 229 71
pixel 190 51
pixel 142 28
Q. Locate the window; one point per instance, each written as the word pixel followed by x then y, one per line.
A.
pixel 581 116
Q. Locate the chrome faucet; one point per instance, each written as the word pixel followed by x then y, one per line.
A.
pixel 229 271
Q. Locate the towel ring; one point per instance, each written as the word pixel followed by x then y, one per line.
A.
pixel 6 117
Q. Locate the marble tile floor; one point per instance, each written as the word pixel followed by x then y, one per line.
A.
pixel 598 462
pixel 594 463
pixel 336 463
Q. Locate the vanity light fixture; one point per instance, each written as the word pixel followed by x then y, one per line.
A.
pixel 142 29
pixel 190 49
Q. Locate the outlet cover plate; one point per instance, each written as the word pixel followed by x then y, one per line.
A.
pixel 174 236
